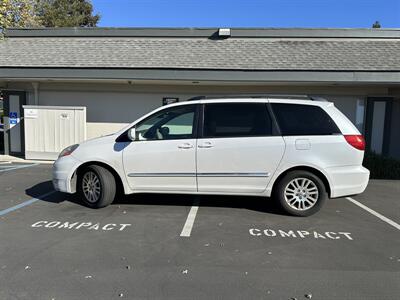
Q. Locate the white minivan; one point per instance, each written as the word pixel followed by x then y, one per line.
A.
pixel 299 152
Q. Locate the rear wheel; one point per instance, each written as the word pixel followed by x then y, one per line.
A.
pixel 300 193
pixel 97 186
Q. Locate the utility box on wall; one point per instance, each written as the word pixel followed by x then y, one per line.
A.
pixel 50 129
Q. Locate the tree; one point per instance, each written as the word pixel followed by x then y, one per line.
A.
pixel 67 13
pixel 376 25
pixel 48 13
pixel 18 13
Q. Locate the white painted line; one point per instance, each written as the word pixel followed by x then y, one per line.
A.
pixel 376 214
pixel 17 168
pixel 26 203
pixel 187 228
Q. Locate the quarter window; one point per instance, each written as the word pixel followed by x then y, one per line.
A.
pixel 168 124
pixel 236 120
pixel 297 119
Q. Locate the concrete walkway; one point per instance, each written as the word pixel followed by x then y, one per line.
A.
pixel 13 159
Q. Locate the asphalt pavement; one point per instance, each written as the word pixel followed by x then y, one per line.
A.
pixel 193 247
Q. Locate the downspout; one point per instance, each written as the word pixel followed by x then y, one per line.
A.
pixel 36 92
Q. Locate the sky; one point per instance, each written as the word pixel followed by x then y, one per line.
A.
pixel 248 13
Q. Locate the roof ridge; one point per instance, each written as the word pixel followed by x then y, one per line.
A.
pixel 207 32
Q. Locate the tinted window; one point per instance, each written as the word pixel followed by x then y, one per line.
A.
pixel 296 119
pixel 236 119
pixel 171 123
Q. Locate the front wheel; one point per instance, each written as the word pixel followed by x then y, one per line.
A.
pixel 97 186
pixel 300 193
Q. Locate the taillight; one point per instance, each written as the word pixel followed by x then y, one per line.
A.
pixel 357 141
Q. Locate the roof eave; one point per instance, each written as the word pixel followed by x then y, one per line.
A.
pixel 365 77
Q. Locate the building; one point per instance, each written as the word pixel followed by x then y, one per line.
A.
pixel 118 74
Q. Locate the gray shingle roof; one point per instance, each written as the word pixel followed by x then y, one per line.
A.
pixel 202 53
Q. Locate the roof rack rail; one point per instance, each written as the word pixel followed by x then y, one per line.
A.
pixel 197 98
pixel 255 96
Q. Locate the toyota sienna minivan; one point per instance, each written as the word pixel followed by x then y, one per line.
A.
pixel 299 152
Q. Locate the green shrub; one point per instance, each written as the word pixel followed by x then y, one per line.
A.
pixel 382 167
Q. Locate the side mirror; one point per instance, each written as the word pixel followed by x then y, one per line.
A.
pixel 132 134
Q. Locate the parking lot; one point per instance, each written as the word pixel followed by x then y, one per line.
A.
pixel 188 247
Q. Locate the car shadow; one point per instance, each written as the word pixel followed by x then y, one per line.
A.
pixel 259 204
pixel 40 191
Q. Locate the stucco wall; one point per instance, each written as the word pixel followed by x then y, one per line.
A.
pixel 110 107
pixel 107 112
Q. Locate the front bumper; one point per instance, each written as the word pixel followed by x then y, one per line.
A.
pixel 348 180
pixel 63 169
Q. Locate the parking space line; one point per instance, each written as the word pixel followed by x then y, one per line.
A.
pixel 373 212
pixel 19 167
pixel 26 203
pixel 187 228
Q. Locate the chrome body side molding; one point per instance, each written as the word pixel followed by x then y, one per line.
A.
pixel 256 174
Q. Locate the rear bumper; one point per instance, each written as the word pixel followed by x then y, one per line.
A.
pixel 348 180
pixel 63 170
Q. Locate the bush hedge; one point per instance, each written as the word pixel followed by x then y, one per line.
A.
pixel 382 167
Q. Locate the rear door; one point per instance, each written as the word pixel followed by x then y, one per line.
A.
pixel 238 149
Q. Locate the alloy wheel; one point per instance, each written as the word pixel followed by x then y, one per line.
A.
pixel 91 187
pixel 301 194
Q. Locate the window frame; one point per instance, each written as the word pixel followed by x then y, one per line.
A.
pixel 273 113
pixel 124 136
pixel 201 135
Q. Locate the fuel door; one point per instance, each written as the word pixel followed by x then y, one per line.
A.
pixel 303 144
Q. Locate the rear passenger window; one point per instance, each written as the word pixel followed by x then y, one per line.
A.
pixel 236 120
pixel 297 119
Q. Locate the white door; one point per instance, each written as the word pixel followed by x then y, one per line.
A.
pixel 237 152
pixel 163 156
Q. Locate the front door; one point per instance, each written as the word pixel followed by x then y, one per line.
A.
pixel 163 156
pixel 237 152
pixel 13 122
pixel 378 123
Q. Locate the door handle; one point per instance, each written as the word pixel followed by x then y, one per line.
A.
pixel 185 146
pixel 206 145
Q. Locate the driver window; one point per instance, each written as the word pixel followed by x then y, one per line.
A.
pixel 169 124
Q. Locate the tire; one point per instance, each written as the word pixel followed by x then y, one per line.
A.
pixel 97 186
pixel 297 200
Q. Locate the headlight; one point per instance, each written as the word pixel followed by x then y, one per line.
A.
pixel 67 151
